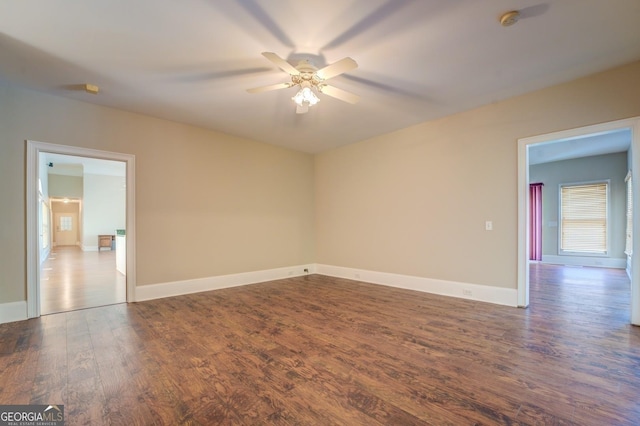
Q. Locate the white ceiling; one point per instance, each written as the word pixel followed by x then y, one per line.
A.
pixel 70 165
pixel 583 146
pixel 191 61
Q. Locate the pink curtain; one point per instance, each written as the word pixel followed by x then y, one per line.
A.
pixel 535 221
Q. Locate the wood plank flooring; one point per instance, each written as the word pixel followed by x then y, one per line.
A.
pixel 71 279
pixel 317 350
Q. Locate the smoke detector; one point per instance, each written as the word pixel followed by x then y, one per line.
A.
pixel 91 88
pixel 509 18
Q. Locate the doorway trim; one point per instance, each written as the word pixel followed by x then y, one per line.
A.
pixel 633 124
pixel 33 254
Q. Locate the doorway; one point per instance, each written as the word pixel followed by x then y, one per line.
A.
pixel 84 193
pixel 525 151
pixel 65 223
pixel 68 225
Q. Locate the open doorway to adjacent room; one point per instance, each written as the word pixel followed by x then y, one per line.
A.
pixel 87 204
pixel 569 164
pixel 80 228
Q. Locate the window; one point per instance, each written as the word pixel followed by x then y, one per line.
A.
pixel 45 224
pixel 583 218
pixel 65 223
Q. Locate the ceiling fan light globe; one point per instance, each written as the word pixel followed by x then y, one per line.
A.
pixel 305 96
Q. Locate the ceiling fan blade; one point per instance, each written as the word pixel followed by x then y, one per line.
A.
pixel 302 109
pixel 343 95
pixel 281 63
pixel 270 87
pixel 337 68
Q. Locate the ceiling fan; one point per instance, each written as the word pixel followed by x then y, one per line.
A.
pixel 310 80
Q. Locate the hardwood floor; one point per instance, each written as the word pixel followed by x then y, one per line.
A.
pixel 72 279
pixel 317 350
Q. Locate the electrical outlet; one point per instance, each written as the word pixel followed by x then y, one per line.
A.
pixel 466 292
pixel 488 225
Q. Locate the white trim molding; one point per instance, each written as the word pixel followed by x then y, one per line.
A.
pixel 13 311
pixel 593 261
pixel 481 293
pixel 177 288
pixel 17 311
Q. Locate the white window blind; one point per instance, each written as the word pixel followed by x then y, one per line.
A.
pixel 583 210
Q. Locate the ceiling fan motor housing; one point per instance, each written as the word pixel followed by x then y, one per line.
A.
pixel 307 74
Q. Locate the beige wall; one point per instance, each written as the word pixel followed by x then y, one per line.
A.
pixel 412 202
pixel 415 201
pixel 65 186
pixel 62 207
pixel 207 204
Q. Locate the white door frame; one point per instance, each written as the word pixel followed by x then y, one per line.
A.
pixel 33 254
pixel 632 124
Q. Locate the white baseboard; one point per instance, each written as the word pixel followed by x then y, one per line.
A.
pixel 597 262
pixel 17 311
pixel 177 288
pixel 482 293
pixel 13 311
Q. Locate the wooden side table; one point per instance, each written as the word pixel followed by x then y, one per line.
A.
pixel 105 241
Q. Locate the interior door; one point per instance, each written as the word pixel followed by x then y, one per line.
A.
pixel 66 229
